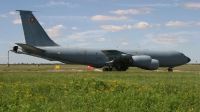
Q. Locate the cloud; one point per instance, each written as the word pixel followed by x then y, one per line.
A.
pixel 74 28
pixel 139 25
pixel 156 24
pixel 82 37
pixel 108 18
pixel 3 56
pixel 187 34
pixel 195 5
pixel 132 11
pixel 9 13
pixel 152 5
pixel 102 39
pixel 87 34
pixel 81 40
pixel 67 17
pixel 142 25
pixel 125 44
pixel 55 31
pixel 17 21
pixel 164 38
pixel 113 28
pixel 198 23
pixel 178 23
pixel 60 3
pixel 142 43
pixel 13 13
pixel 15 16
pixel 1 15
pixel 41 23
pixel 122 38
pixel 168 39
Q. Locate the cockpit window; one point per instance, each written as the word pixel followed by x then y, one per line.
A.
pixel 183 54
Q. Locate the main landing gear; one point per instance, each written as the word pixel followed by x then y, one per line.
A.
pixel 170 69
pixel 115 68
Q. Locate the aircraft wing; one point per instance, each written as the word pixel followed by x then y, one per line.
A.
pixel 117 57
pixel 108 52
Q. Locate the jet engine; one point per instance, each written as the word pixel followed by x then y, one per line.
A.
pixel 145 62
pixel 154 65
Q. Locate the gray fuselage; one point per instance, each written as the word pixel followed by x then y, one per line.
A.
pixel 96 58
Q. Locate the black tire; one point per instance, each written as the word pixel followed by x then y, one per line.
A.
pixel 106 69
pixel 170 70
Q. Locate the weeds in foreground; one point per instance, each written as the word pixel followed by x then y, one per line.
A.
pixel 89 92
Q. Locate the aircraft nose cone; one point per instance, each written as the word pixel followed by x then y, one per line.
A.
pixel 188 59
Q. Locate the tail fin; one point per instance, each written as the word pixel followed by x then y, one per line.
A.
pixel 33 31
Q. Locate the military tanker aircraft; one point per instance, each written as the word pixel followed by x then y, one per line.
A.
pixel 39 44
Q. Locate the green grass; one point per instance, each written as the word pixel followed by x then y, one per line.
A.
pixel 32 88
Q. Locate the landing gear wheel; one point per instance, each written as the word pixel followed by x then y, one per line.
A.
pixel 106 69
pixel 124 68
pixel 170 70
pixel 119 68
pixel 115 68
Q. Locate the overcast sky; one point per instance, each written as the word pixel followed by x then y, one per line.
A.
pixel 106 24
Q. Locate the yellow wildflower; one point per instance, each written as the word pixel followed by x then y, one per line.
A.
pixel 16 91
pixel 88 74
pixel 64 86
pixel 71 82
pixel 93 83
pixel 111 89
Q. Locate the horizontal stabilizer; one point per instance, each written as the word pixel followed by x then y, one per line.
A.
pixel 18 52
pixel 29 48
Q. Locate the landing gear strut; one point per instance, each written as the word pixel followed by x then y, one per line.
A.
pixel 106 69
pixel 115 68
pixel 170 69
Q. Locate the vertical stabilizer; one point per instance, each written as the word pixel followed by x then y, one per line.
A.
pixel 33 31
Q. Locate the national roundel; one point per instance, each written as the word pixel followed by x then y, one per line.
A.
pixel 32 20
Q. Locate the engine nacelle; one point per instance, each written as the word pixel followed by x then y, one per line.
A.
pixel 141 61
pixel 153 66
pixel 145 62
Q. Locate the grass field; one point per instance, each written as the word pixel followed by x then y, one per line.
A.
pixel 74 88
